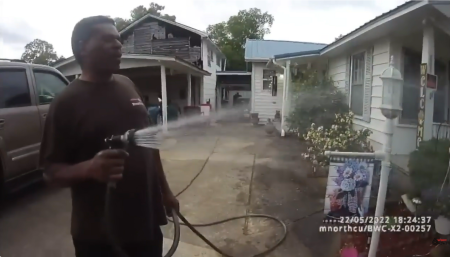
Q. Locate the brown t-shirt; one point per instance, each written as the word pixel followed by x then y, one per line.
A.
pixel 78 122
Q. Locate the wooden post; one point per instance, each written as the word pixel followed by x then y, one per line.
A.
pixel 428 58
pixel 164 97
pixel 189 89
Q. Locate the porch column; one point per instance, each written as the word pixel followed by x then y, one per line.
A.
pixel 189 89
pixel 286 77
pixel 428 58
pixel 202 90
pixel 219 98
pixel 164 97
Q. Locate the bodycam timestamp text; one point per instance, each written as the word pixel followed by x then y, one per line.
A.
pixel 384 220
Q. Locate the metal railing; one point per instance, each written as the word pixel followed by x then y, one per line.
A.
pixel 441 130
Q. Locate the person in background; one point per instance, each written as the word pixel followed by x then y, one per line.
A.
pixel 74 154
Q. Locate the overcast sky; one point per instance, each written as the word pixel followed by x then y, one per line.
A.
pixel 320 21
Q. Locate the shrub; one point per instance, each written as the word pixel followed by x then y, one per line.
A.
pixel 340 137
pixel 314 100
pixel 428 167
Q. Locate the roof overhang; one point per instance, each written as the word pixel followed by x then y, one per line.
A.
pixel 257 60
pixel 70 67
pixel 232 73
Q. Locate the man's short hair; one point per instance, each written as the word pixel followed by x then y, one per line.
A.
pixel 83 32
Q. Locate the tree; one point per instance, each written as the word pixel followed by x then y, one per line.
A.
pixel 230 36
pixel 140 11
pixel 40 52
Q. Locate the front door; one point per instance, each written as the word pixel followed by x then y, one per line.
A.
pixel 19 123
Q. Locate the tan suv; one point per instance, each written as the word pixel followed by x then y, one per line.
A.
pixel 26 91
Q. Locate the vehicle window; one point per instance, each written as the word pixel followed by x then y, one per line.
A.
pixel 14 91
pixel 48 86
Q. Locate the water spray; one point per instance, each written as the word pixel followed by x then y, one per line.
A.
pixel 152 137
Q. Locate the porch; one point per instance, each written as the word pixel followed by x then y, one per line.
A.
pixel 233 89
pixel 171 79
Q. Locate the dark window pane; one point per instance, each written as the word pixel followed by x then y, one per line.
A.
pixel 411 86
pixel 357 99
pixel 14 90
pixel 439 97
pixel 48 86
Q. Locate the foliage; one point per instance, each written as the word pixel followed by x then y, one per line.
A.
pixel 314 100
pixel 230 36
pixel 340 137
pixel 40 52
pixel 140 11
pixel 428 166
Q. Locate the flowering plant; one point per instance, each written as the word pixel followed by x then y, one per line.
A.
pixel 340 137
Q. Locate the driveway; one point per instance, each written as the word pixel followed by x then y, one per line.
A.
pixel 238 169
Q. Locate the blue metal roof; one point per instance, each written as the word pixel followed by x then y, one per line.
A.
pixel 266 49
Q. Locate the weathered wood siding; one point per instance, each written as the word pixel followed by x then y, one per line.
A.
pixel 150 38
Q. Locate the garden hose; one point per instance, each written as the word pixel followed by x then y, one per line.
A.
pixel 120 142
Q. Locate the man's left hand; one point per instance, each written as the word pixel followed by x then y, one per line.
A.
pixel 170 202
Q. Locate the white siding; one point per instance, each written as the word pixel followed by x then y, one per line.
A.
pixel 337 71
pixel 264 103
pixel 209 84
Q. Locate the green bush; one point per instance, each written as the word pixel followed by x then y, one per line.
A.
pixel 316 100
pixel 428 164
pixel 339 137
pixel 428 167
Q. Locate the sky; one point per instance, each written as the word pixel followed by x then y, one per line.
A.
pixel 318 21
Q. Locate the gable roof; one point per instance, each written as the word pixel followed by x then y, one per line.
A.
pixel 397 10
pixel 263 50
pixel 202 34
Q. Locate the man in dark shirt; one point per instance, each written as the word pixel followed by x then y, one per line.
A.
pixel 73 153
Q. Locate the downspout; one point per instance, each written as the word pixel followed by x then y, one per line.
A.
pixel 285 85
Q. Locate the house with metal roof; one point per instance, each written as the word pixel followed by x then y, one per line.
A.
pixel 414 33
pixel 266 86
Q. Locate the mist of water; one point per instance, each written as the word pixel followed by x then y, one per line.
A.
pixel 152 137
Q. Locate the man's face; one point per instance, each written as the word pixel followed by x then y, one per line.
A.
pixel 104 49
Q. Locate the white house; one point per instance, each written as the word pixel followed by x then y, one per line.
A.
pixel 413 33
pixel 266 90
pixel 166 59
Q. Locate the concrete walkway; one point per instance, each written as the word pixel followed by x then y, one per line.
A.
pixel 242 170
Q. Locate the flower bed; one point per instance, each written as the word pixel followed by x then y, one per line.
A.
pixel 392 244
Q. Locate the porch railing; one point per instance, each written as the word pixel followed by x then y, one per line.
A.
pixel 441 130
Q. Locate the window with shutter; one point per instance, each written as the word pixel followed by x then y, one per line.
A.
pixel 358 63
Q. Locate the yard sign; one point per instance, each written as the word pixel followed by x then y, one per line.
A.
pixel 421 114
pixel 349 186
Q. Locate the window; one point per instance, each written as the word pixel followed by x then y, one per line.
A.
pixel 357 83
pixel 14 91
pixel 218 60
pixel 439 97
pixel 268 76
pixel 212 56
pixel 209 58
pixel 48 86
pixel 411 86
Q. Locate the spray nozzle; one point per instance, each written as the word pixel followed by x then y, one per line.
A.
pixel 121 141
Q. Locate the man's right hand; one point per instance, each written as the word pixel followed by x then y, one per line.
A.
pixel 107 165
